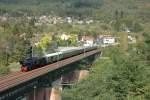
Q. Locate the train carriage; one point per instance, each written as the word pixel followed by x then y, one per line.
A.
pixel 36 62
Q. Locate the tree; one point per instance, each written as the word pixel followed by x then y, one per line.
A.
pixel 137 27
pixel 120 77
pixel 44 46
pixel 73 40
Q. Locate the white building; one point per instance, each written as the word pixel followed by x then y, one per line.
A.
pixel 131 39
pixel 108 40
pixel 89 22
pixel 88 40
pixel 80 22
pixel 64 36
pixel 88 43
pixel 69 20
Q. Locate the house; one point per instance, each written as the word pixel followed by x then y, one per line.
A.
pixel 80 22
pixel 3 18
pixel 108 40
pixel 88 40
pixel 89 22
pixel 131 39
pixel 68 20
pixel 64 36
pixel 54 20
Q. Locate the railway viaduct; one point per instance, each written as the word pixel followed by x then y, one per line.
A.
pixel 18 85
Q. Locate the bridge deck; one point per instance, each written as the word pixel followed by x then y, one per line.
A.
pixel 13 80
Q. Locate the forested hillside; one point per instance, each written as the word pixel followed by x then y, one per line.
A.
pixel 56 7
pixel 78 8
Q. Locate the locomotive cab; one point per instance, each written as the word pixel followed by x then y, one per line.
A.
pixel 27 64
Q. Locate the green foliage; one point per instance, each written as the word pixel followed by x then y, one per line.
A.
pixel 4 70
pixel 58 7
pixel 145 48
pixel 123 24
pixel 71 41
pixel 99 9
pixel 45 41
pixel 121 77
pixel 89 89
pixel 137 27
pixel 14 40
pixel 59 41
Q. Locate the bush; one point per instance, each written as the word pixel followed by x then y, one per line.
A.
pixel 4 70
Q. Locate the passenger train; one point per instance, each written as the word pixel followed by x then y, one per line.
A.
pixel 31 63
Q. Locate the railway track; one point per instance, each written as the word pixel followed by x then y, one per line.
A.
pixel 9 75
pixel 15 79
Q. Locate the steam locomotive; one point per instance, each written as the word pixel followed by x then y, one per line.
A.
pixel 31 63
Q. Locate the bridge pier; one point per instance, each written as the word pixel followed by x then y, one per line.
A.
pixel 81 74
pixel 37 94
pixel 53 93
pixel 77 75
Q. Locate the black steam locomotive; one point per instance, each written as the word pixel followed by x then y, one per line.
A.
pixel 36 62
